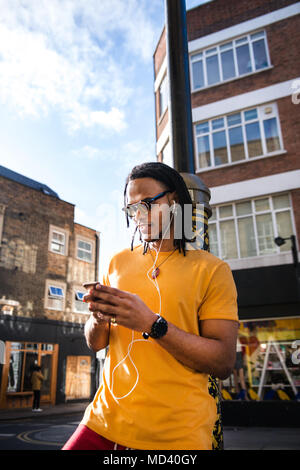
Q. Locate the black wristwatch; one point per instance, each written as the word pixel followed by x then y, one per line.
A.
pixel 158 329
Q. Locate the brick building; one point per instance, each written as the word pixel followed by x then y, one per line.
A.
pixel 44 259
pixel 245 82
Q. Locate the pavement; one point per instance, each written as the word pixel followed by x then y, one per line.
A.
pixel 25 413
pixel 235 438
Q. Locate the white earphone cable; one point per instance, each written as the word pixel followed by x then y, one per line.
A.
pixel 154 281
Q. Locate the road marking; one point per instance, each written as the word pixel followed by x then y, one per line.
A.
pixel 24 436
pixel 6 435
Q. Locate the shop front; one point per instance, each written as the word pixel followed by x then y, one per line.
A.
pixel 20 360
pixel 268 361
pixel 59 348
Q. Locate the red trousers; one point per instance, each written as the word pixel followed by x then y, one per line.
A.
pixel 86 439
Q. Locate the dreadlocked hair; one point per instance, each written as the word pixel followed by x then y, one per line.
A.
pixel 173 181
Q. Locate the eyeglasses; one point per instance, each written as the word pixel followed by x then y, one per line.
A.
pixel 142 206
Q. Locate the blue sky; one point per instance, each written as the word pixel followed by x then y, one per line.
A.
pixel 77 102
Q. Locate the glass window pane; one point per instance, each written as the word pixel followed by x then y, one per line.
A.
pixel 213 50
pixel 213 213
pixel 228 240
pixel 234 119
pixel 265 234
pixel 251 114
pixel 163 96
pixel 236 144
pixel 202 128
pixel 257 35
pixel 281 201
pixel 217 123
pixel 243 208
pixel 284 228
pixel 213 240
pixel 243 59
pixel 272 136
pixel 228 45
pixel 260 54
pixel 241 40
pixel 246 237
pixel 15 371
pixel 212 69
pixel 220 148
pixel 198 75
pixel 84 255
pixel 203 151
pixel 254 140
pixel 31 359
pixel 227 64
pixel 46 366
pixel 262 205
pixel 225 211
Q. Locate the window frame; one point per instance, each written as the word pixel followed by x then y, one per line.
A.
pixel 265 112
pixel 207 53
pixel 85 240
pixel 163 87
pixel 61 285
pixel 254 213
pixel 77 289
pixel 60 231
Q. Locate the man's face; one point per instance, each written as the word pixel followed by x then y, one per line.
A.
pixel 151 223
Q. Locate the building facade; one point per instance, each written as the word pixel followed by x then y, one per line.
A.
pixel 44 259
pixel 245 93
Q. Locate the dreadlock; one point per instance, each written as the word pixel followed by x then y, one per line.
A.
pixel 173 181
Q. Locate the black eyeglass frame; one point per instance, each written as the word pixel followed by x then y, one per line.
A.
pixel 147 202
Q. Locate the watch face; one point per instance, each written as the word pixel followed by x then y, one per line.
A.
pixel 159 328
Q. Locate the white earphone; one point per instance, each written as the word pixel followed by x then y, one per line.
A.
pixel 154 281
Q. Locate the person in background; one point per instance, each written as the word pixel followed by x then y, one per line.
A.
pixel 36 381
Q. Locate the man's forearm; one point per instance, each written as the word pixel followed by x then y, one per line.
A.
pixel 96 333
pixel 205 355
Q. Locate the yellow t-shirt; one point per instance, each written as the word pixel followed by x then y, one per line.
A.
pixel 148 399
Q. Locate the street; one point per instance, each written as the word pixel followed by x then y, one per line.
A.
pixel 51 432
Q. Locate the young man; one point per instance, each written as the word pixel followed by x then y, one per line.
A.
pixel 154 391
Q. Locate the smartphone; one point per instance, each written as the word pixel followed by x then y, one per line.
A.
pixel 89 285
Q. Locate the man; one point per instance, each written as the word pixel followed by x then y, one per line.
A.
pixel 154 391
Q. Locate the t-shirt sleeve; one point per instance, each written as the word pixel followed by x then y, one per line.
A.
pixel 220 299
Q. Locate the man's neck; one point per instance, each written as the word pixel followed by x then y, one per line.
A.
pixel 165 245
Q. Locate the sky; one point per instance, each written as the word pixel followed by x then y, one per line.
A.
pixel 77 101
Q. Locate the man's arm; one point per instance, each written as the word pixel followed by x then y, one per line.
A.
pixel 96 332
pixel 213 352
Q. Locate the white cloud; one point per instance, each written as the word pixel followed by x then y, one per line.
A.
pixel 73 56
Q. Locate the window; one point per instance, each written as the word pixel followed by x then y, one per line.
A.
pixel 163 96
pixel 230 60
pixel 58 240
pixel 248 228
pixel 84 250
pixel 55 296
pixel 79 305
pixel 23 358
pixel 238 137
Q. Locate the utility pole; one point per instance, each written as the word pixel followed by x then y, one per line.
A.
pixel 182 148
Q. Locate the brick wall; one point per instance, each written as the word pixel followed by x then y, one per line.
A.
pixel 25 259
pixel 220 14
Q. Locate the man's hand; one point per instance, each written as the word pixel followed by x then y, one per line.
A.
pixel 128 309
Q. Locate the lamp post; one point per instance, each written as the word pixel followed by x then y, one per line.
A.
pixel 181 141
pixel 279 241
